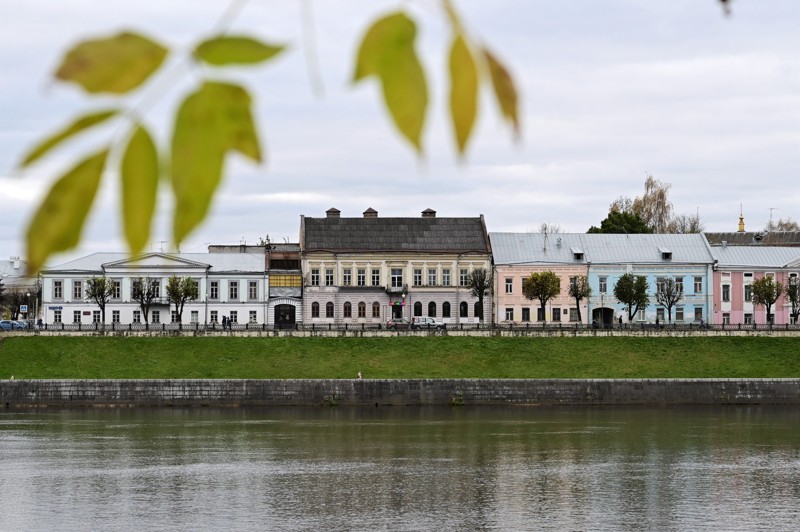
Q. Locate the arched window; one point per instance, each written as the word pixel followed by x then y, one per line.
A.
pixel 315 310
pixel 432 309
pixel 478 309
pixel 446 309
pixel 464 309
pixel 362 310
pixel 348 310
pixel 328 309
pixel 376 310
pixel 417 309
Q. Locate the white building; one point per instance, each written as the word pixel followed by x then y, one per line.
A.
pixel 235 285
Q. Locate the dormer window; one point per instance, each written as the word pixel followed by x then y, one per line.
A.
pixel 666 254
pixel 577 253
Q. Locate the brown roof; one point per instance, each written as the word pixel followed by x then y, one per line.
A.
pixel 751 238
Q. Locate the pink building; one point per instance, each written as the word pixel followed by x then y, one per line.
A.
pixel 736 267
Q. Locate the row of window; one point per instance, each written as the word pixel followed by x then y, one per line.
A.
pixel 347 309
pixel 747 288
pixel 155 316
pixel 396 278
pixel 213 289
pixel 557 313
pixel 603 284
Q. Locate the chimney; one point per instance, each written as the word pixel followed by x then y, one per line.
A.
pixel 333 212
pixel 370 213
pixel 429 213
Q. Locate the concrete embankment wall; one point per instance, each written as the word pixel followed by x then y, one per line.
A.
pixel 179 392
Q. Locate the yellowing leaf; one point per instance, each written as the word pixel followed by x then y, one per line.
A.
pixel 387 51
pixel 57 224
pixel 504 90
pixel 212 121
pixel 80 124
pixel 139 174
pixel 227 50
pixel 115 64
pixel 463 91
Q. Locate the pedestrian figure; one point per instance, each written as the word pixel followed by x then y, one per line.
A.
pixel 620 321
pixel 359 375
pixel 224 322
pixel 702 323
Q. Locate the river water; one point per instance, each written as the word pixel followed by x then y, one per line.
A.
pixel 401 468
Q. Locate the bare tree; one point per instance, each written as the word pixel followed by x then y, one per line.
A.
pixel 479 284
pixel 549 229
pixel 793 295
pixel 668 293
pixel 655 209
pixel 145 291
pixel 782 225
pixel 101 290
pixel 686 223
pixel 179 291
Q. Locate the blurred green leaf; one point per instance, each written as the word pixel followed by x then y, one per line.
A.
pixel 56 225
pixel 209 123
pixel 504 90
pixel 115 64
pixel 139 174
pixel 228 50
pixel 387 51
pixel 80 124
pixel 463 91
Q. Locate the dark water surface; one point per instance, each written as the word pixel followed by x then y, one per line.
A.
pixel 401 468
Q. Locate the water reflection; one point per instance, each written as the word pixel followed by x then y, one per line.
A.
pixel 723 468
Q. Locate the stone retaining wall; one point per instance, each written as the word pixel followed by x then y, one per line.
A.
pixel 180 392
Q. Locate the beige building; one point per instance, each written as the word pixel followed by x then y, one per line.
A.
pixel 367 270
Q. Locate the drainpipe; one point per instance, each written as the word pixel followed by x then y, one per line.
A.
pixel 206 297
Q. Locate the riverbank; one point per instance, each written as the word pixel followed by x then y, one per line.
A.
pixel 398 357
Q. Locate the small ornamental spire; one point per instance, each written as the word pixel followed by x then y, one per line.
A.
pixel 741 219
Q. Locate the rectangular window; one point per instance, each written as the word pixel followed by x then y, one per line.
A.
pixel 156 316
pixel 95 316
pixel 347 277
pixel 329 277
pixel 748 292
pixel 362 277
pixel 253 316
pixel 114 316
pixel 660 282
pixel 58 289
pixel 233 290
pixel 603 285
pixel 431 277
pixel 195 316
pixel 397 277
pixel 56 316
pixel 678 313
pixel 156 289
pixel 376 310
pixel 445 277
pixel 660 314
pixel 509 314
pixel 77 290
pixel 117 293
pixel 417 277
pixel 698 285
pixel 252 290
pixel 234 317
pixel 726 292
pixel 641 316
pixel 76 316
pixel 376 277
pixel 214 316
pixel 698 313
pixel 748 319
pixel 347 310
pixel 526 314
pixel 315 277
pixel 362 310
pixel 726 319
pixel 679 284
pixel 173 316
pixel 315 310
pixel 556 314
pixel 573 314
pixel 509 285
pixel 214 290
pixel 328 310
pixel 539 314
pixel 462 277
pixel 137 316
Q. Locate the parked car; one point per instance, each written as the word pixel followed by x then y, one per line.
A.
pixel 9 325
pixel 398 323
pixel 427 322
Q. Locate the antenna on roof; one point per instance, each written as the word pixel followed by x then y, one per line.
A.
pixel 162 244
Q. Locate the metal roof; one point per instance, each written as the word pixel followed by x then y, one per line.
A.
pixel 755 256
pixel 219 262
pixel 532 248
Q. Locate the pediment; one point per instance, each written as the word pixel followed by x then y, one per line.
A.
pixel 155 261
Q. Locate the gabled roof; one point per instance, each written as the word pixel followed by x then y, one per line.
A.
pixel 756 257
pixel 538 248
pixel 369 234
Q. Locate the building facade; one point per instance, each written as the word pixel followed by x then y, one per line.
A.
pixel 368 270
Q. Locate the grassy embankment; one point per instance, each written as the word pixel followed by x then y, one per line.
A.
pixel 429 357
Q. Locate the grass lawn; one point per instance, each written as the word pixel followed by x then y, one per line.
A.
pixel 396 358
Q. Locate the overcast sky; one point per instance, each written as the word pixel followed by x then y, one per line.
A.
pixel 612 90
